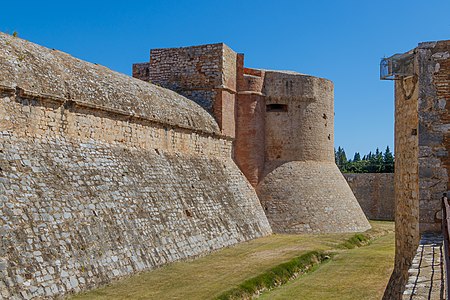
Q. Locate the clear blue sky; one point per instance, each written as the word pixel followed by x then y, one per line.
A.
pixel 339 40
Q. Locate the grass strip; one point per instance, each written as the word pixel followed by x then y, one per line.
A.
pixel 275 276
pixel 356 241
pixel 295 267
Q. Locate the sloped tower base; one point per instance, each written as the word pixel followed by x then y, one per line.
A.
pixel 310 197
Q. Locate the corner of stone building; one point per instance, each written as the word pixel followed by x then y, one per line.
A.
pixel 141 71
pixel 260 110
pixel 422 142
pixel 434 67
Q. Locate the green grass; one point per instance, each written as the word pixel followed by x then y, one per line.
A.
pixel 210 276
pixel 276 276
pixel 360 273
pixel 358 240
pixel 285 272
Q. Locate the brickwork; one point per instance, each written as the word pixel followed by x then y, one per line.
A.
pixel 202 64
pixel 194 72
pixel 250 138
pixel 276 117
pixel 98 186
pixel 375 194
pixel 250 123
pixel 205 74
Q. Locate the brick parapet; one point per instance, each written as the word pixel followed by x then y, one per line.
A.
pixel 206 74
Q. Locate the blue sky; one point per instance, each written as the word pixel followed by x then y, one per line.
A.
pixel 339 40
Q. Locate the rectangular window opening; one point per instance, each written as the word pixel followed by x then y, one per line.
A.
pixel 277 107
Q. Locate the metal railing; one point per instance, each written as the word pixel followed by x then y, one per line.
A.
pixel 446 234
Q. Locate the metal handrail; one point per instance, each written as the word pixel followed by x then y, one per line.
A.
pixel 446 234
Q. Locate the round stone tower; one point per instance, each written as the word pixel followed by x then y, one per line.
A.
pixel 282 126
pixel 302 190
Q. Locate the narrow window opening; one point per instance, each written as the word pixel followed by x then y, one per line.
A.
pixel 277 107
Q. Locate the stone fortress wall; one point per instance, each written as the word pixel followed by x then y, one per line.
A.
pixel 422 144
pixel 283 124
pixel 375 194
pixel 205 74
pixel 103 175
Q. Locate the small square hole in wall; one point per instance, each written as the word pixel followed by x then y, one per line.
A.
pixel 414 131
pixel 188 213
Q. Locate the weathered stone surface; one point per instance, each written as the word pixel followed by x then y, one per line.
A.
pixel 426 275
pixel 375 194
pixel 293 203
pixel 306 130
pixel 90 192
pixel 406 183
pixel 276 117
pixel 421 154
pixel 205 74
pixel 39 71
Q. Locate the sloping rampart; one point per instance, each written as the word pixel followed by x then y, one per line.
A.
pixel 102 176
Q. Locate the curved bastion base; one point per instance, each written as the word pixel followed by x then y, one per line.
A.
pixel 310 197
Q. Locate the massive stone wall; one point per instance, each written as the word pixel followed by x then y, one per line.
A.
pixel 102 176
pixel 434 130
pixel 375 194
pixel 421 153
pixel 406 183
pixel 294 204
pixel 304 128
pixel 302 189
pixel 277 118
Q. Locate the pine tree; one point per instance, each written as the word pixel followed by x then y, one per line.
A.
pixel 376 162
pixel 341 159
pixel 388 160
pixel 335 156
